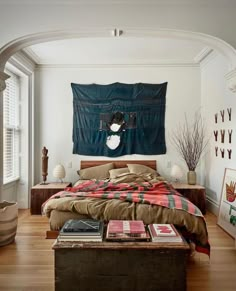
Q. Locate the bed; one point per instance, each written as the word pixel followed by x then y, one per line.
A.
pixel 131 190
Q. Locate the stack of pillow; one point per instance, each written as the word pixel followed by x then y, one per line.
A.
pixel 131 173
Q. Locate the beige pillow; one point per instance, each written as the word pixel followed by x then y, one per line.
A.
pixel 116 172
pixel 98 172
pixel 140 169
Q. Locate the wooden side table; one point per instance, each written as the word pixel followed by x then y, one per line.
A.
pixel 195 193
pixel 40 193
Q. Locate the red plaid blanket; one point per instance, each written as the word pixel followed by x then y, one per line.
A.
pixel 160 193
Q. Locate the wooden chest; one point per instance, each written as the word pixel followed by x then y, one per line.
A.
pixel 125 266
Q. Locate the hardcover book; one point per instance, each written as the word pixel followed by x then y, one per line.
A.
pixel 82 227
pixel 79 238
pixel 126 230
pixel 164 233
pixel 126 226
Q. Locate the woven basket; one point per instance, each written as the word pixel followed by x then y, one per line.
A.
pixel 8 222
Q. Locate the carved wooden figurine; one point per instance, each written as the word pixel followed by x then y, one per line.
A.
pixel 216 134
pixel 222 113
pixel 222 132
pixel 229 113
pixel 230 135
pixel 216 115
pixel 216 151
pixel 44 164
pixel 222 153
pixel 229 153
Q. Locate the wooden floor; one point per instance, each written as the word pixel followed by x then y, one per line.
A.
pixel 28 264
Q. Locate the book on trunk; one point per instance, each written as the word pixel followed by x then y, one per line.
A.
pixel 82 227
pixel 164 233
pixel 126 230
pixel 77 238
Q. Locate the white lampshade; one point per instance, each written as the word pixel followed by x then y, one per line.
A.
pixel 59 172
pixel 176 173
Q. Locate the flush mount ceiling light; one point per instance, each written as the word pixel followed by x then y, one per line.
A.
pixel 116 32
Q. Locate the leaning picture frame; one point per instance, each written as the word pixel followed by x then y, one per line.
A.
pixel 227 213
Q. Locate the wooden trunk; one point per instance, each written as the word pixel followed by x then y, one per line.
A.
pixel 120 266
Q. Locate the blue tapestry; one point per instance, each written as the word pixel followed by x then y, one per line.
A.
pixel 119 119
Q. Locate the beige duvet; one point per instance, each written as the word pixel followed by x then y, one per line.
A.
pixel 106 209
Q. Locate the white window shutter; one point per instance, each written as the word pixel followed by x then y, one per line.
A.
pixel 11 128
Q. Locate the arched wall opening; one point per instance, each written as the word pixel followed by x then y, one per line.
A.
pixel 220 46
pixel 215 43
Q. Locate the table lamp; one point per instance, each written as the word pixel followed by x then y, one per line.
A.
pixel 176 173
pixel 59 172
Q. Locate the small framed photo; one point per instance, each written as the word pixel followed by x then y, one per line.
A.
pixel 227 212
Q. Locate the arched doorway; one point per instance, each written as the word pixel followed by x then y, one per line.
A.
pixel 217 44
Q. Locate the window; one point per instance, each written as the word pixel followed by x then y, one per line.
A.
pixel 11 128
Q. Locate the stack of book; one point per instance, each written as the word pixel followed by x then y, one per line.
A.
pixel 164 233
pixel 82 230
pixel 126 230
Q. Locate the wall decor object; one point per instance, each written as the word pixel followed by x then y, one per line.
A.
pixel 216 116
pixel 222 133
pixel 222 113
pixel 230 135
pixel 229 110
pixel 222 153
pixel 216 134
pixel 118 119
pixel 216 151
pixel 229 153
pixel 44 165
pixel 227 213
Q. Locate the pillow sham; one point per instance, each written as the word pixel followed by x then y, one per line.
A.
pixel 116 172
pixel 97 172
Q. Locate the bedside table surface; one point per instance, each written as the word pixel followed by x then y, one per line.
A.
pixel 186 186
pixel 58 185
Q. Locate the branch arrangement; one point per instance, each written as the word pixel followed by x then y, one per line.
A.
pixel 190 141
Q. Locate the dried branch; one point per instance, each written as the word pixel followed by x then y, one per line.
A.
pixel 190 141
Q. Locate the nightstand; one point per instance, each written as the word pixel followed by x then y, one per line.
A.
pixel 40 193
pixel 195 193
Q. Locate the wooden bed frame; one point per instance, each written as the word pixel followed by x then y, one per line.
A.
pixel 118 164
pixel 52 234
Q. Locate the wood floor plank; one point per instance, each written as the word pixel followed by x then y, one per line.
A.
pixel 28 263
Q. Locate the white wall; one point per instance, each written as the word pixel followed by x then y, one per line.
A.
pixel 54 109
pixel 215 98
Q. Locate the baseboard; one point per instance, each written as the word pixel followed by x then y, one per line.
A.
pixel 212 206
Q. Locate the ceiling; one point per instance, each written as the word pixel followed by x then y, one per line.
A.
pixel 116 50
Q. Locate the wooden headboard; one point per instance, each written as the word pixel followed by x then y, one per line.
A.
pixel 118 164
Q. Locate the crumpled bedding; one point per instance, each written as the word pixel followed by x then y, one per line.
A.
pixel 106 209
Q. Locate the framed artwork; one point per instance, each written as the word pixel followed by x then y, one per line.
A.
pixel 227 213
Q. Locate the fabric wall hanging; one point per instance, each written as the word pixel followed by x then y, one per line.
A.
pixel 118 119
